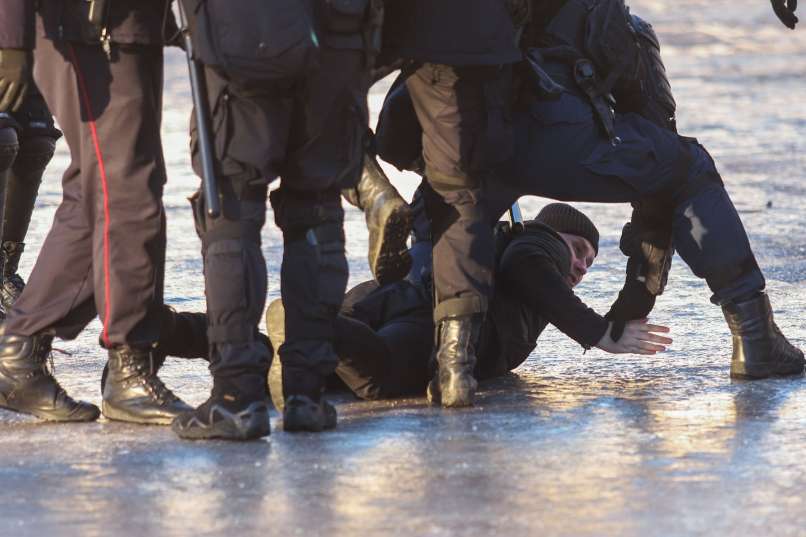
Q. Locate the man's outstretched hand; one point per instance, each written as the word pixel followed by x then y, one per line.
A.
pixel 785 10
pixel 638 337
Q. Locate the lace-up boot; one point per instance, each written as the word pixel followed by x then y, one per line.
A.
pixel 13 284
pixel 28 386
pixel 236 410
pixel 133 392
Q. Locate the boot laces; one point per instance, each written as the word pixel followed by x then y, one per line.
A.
pixel 151 381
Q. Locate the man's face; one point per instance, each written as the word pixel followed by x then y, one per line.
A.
pixel 582 256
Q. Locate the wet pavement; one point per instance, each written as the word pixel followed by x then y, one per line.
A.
pixel 570 444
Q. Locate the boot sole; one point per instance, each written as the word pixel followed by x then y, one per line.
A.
pixel 390 260
pixel 257 425
pixel 743 374
pixel 275 316
pixel 89 417
pixel 116 414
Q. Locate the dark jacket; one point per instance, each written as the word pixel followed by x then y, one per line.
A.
pixel 530 293
pixel 141 22
pixel 452 32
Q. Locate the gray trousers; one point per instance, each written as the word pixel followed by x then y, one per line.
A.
pixel 105 252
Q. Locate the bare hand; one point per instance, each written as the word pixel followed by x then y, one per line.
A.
pixel 639 337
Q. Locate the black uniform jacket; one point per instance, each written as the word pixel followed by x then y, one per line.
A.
pixel 530 293
pixel 142 22
pixel 452 32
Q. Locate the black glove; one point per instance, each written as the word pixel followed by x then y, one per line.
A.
pixel 634 302
pixel 785 10
pixel 15 77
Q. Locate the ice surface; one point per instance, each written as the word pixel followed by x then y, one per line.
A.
pixel 569 445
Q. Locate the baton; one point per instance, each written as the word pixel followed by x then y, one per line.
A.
pixel 198 87
pixel 515 217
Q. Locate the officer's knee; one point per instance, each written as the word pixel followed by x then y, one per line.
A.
pixel 9 147
pixel 298 213
pixel 36 152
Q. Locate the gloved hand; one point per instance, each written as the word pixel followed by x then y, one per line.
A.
pixel 785 10
pixel 16 74
pixel 634 302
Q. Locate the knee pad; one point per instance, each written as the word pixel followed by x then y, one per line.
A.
pixel 314 272
pixel 9 148
pixel 296 213
pixel 35 153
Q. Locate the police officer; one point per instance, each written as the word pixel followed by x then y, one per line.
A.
pixel 27 141
pixel 307 126
pixel 99 68
pixel 460 89
pixel 570 146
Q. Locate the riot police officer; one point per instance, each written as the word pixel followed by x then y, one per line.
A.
pixel 294 108
pixel 571 146
pixel 460 88
pixel 99 68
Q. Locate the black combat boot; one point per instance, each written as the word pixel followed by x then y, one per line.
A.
pixel 760 350
pixel 133 392
pixel 453 384
pixel 236 410
pixel 389 221
pixel 182 335
pixel 26 384
pixel 297 394
pixel 13 284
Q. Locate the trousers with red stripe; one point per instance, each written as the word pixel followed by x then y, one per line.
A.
pixel 105 252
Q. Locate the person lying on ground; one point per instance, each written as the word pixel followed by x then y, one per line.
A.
pixel 384 333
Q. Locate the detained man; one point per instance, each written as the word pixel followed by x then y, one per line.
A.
pixel 384 333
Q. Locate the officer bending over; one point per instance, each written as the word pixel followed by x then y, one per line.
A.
pixel 384 334
pixel 571 146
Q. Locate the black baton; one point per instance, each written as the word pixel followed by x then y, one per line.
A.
pixel 198 86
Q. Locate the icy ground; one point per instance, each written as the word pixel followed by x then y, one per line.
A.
pixel 569 445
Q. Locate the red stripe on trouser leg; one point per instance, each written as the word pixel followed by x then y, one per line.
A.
pixel 85 97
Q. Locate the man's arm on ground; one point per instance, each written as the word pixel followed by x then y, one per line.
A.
pixel 532 276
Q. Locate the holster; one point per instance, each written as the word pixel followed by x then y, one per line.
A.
pixel 585 77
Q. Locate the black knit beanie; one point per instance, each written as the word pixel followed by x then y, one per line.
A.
pixel 563 218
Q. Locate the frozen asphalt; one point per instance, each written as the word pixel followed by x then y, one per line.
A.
pixel 570 444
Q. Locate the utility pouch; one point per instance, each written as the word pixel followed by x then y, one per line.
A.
pixel 653 98
pixel 585 77
pixel 542 84
pixel 345 16
pixel 254 39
